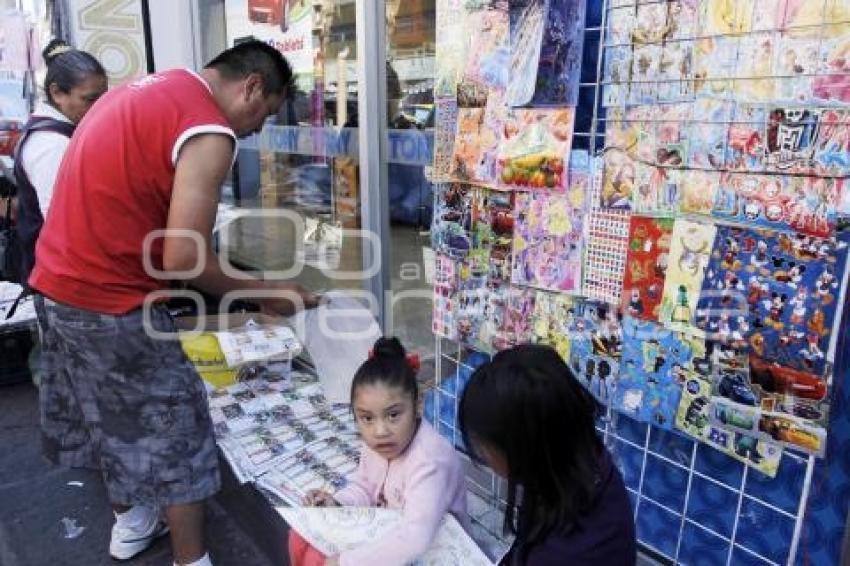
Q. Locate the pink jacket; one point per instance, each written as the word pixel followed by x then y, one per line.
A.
pixel 424 482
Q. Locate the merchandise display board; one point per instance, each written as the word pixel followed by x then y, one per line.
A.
pixel 674 223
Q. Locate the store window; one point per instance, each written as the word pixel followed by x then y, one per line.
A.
pixel 411 37
pixel 299 176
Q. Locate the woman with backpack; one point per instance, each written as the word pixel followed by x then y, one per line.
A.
pixel 74 81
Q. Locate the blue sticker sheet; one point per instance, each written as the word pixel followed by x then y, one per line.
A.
pixel 774 294
pixel 654 366
pixel 596 346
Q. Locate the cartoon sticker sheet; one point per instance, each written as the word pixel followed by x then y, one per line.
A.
pixel 492 233
pixel 517 326
pixel 775 293
pixel 452 219
pixel 605 254
pixel 445 297
pixel 445 128
pixel 533 148
pixel 548 240
pixel 596 347
pixel 693 417
pixel 477 142
pixel 654 366
pixel 451 47
pixel 551 323
pixel 606 238
pixel 646 266
pixel 489 50
pixel 802 204
pixel 546 44
pixel 690 251
pixel 528 19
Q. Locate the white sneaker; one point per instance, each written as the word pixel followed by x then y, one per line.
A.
pixel 135 531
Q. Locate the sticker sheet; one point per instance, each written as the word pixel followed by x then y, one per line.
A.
pixel 832 83
pixel 711 119
pixel 646 266
pixel 492 234
pixel 832 147
pixel 693 417
pixel 596 347
pixel 489 53
pixel 774 293
pixel 557 82
pixel 445 297
pixel 477 142
pixel 534 144
pixel 451 48
pixel 782 202
pixel 445 130
pixel 472 305
pixel 548 240
pixel 517 325
pixel 617 73
pixel 716 59
pixel 654 366
pixel 452 219
pixel 605 255
pixel 754 74
pixel 553 317
pixel 698 191
pixel 690 251
pixel 528 19
pixel 790 139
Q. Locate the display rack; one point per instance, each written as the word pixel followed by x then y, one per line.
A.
pixel 692 504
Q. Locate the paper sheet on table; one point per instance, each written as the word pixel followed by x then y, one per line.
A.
pixel 332 530
pixel 338 335
pixel 255 343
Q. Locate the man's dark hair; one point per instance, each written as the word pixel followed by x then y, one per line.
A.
pixel 254 56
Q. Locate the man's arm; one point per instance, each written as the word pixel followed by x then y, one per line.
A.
pixel 202 166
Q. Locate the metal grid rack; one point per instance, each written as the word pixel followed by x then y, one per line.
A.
pixel 650 457
pixel 692 504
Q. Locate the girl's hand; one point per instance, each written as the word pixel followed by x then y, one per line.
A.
pixel 319 498
pixel 332 561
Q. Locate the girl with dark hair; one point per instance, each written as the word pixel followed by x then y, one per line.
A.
pixel 74 81
pixel 404 464
pixel 526 416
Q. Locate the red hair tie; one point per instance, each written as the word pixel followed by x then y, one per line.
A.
pixel 412 359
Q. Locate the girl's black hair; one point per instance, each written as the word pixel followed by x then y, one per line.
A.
pixel 387 365
pixel 527 404
pixel 67 67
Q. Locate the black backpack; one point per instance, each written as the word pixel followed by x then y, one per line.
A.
pixel 10 251
pixel 30 220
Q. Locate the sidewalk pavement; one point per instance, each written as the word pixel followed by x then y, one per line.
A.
pixel 35 498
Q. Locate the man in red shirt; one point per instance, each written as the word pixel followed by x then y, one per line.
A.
pixel 135 203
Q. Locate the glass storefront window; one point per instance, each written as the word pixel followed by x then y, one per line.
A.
pixel 411 34
pixel 300 174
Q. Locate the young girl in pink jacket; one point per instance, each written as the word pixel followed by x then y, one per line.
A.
pixel 404 464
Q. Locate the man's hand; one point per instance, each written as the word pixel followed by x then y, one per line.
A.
pixel 319 498
pixel 290 298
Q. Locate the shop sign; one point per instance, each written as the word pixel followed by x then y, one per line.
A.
pixel 112 31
